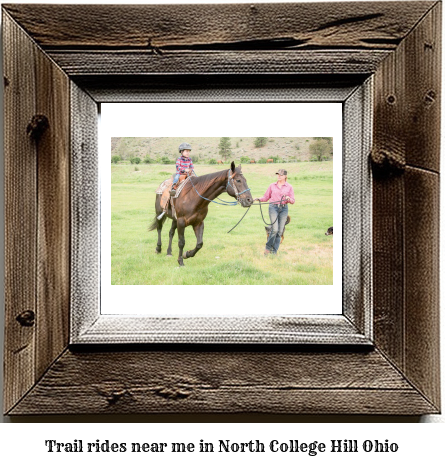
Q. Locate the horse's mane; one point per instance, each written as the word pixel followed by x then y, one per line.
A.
pixel 205 181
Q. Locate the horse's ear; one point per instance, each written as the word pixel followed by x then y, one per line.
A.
pixel 232 166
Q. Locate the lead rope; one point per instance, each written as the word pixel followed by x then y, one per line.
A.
pixel 261 210
pixel 240 220
pixel 267 224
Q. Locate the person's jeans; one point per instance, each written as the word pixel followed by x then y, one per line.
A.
pixel 278 216
pixel 175 179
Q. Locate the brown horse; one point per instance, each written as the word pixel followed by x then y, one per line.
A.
pixel 220 162
pixel 270 160
pixel 252 161
pixel 191 208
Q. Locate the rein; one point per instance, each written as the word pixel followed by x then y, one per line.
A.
pixel 225 203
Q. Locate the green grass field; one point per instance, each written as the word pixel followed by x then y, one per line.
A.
pixel 304 257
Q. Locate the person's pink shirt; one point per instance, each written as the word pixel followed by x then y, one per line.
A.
pixel 274 193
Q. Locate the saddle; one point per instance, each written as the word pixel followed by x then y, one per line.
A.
pixel 165 187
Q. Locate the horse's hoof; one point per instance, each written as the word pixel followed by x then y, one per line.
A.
pixel 184 256
pixel 157 251
pixel 169 255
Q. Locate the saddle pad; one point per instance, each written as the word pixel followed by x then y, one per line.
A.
pixel 167 184
pixel 164 185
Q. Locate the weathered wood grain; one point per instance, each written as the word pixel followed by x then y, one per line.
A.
pixel 388 268
pixel 118 62
pixel 406 239
pixel 423 91
pixel 20 213
pixel 422 325
pixel 223 382
pixel 53 227
pixel 388 198
pixel 346 25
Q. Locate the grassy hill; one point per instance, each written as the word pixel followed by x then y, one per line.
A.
pixel 289 149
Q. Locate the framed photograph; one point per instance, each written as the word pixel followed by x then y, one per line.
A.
pixel 105 316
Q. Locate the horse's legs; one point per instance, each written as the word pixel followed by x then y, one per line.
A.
pixel 171 234
pixel 181 239
pixel 159 224
pixel 199 233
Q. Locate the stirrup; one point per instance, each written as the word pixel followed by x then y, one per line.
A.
pixel 172 192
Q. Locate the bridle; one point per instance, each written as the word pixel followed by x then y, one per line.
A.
pixel 237 194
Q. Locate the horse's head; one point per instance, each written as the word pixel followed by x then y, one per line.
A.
pixel 237 186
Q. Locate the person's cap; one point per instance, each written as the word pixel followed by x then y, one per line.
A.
pixel 282 172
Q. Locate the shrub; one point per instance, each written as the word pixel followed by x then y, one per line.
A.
pixel 135 160
pixel 260 142
pixel 115 159
pixel 166 161
pixel 136 168
pixel 245 159
pixel 262 160
pixel 212 161
pixel 319 149
pixel 148 160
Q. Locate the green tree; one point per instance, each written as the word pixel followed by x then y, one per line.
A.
pixel 115 159
pixel 225 147
pixel 245 159
pixel 329 140
pixel 319 149
pixel 260 142
pixel 212 161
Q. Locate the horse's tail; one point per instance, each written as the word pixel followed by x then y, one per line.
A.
pixel 154 225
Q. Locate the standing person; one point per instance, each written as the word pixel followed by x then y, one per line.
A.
pixel 280 191
pixel 184 165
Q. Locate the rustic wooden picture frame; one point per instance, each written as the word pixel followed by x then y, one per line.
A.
pixel 76 56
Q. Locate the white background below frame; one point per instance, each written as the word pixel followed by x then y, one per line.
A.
pixel 219 119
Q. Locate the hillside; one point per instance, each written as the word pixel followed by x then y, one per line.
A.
pixel 205 148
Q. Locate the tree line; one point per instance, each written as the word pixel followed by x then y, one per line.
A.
pixel 320 149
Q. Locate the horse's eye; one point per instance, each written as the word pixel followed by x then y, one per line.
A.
pixel 238 180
